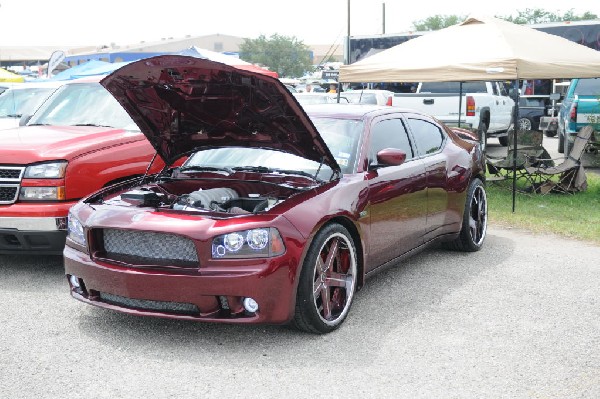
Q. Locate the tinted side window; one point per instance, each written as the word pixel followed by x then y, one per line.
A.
pixel 588 87
pixel 428 137
pixel 389 133
pixel 453 87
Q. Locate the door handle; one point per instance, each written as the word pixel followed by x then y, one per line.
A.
pixel 428 101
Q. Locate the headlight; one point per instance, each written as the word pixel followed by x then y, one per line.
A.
pixel 255 243
pixel 75 230
pixel 42 193
pixel 53 170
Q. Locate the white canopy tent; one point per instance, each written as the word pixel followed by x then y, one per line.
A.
pixel 478 49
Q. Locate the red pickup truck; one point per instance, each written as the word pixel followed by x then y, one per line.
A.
pixel 79 141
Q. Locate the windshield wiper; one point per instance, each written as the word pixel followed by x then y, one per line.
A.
pixel 200 168
pixel 12 116
pixel 90 124
pixel 297 172
pixel 258 169
pixel 264 169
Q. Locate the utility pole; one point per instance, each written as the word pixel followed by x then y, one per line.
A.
pixel 383 17
pixel 347 49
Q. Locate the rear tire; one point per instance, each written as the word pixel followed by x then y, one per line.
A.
pixel 503 140
pixel 327 281
pixel 474 226
pixel 550 133
pixel 482 132
pixel 561 143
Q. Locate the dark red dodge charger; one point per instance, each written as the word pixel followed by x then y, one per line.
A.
pixel 280 212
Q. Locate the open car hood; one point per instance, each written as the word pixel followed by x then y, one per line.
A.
pixel 183 104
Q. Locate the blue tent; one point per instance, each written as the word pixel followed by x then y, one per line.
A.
pixel 71 73
pixel 101 69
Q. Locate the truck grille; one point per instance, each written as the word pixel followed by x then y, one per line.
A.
pixel 149 248
pixel 10 181
pixel 8 193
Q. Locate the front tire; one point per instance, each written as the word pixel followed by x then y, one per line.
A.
pixel 503 140
pixel 474 226
pixel 327 281
pixel 524 123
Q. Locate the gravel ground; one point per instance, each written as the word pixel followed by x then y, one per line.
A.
pixel 519 319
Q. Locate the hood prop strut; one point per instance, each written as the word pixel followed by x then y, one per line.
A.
pixel 148 168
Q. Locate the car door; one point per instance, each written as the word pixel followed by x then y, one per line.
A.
pixel 397 205
pixel 429 141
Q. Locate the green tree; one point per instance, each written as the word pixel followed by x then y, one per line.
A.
pixel 285 55
pixel 438 22
pixel 540 16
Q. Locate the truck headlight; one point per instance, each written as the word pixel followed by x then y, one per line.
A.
pixel 42 193
pixel 75 230
pixel 50 170
pixel 254 243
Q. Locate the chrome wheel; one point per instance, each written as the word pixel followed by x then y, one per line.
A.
pixel 524 124
pixel 327 281
pixel 478 216
pixel 334 278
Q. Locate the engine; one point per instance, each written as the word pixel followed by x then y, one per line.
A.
pixel 214 199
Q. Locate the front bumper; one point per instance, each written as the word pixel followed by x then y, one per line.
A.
pixel 33 228
pixel 34 235
pixel 212 294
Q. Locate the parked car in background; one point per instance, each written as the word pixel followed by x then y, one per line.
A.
pixel 579 108
pixel 77 142
pixel 279 215
pixel 531 110
pixel 23 98
pixel 369 96
pixel 318 98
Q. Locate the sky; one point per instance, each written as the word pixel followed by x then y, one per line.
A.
pixel 93 23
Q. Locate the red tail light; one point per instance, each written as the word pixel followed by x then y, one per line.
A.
pixel 470 106
pixel 573 113
pixel 389 101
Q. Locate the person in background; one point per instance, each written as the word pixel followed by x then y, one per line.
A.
pixel 332 88
pixel 308 88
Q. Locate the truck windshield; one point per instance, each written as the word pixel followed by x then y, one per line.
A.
pixel 16 102
pixel 588 87
pixel 453 87
pixel 83 104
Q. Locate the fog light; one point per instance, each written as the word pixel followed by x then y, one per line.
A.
pixel 74 281
pixel 250 305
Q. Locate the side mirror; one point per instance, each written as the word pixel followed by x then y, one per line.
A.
pixel 390 157
pixel 555 96
pixel 24 119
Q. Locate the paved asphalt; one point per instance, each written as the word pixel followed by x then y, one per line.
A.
pixel 518 319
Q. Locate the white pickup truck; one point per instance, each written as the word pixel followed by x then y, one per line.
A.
pixel 485 106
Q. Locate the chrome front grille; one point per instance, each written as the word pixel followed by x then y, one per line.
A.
pixel 149 248
pixel 10 182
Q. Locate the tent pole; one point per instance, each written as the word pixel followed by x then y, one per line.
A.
pixel 515 127
pixel 460 94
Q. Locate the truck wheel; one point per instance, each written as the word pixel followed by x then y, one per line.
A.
pixel 550 133
pixel 482 133
pixel 503 140
pixel 561 143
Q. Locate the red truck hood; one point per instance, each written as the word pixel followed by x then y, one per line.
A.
pixel 58 142
pixel 184 104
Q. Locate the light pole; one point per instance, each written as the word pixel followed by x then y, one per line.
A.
pixel 347 50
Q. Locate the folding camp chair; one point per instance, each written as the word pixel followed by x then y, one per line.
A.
pixel 529 150
pixel 567 177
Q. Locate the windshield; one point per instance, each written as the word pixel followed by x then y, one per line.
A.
pixel 342 136
pixel 14 103
pixel 83 104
